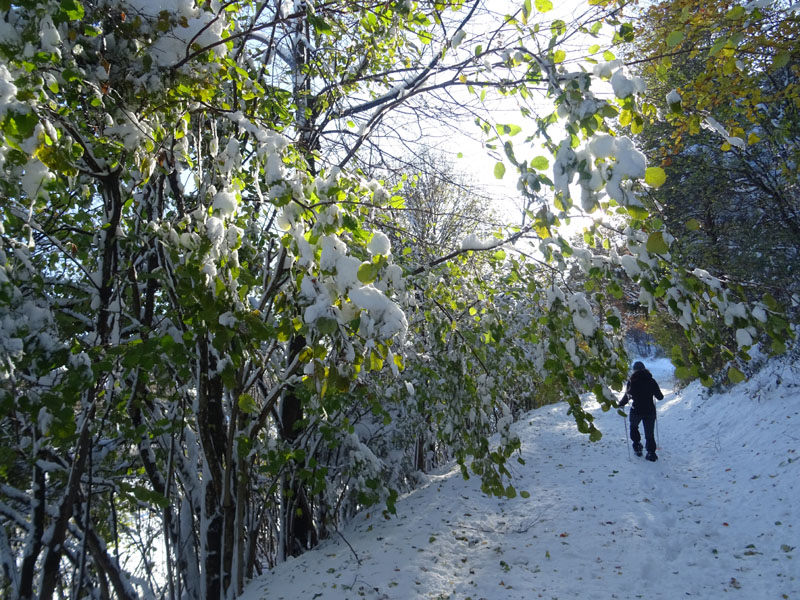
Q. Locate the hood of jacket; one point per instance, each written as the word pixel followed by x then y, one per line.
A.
pixel 642 375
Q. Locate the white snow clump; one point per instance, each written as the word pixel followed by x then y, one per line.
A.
pixel 225 202
pixel 554 293
pixel 196 27
pixel 714 125
pixel 625 85
pixel 36 176
pixel 743 338
pixel 8 91
pixel 473 242
pixel 602 145
pixel 630 264
pixel 384 313
pixel 582 316
pixel 379 244
pixel 458 38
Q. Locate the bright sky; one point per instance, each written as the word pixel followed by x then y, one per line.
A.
pixel 718 515
pixel 475 158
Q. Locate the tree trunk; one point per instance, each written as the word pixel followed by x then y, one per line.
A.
pixel 34 546
pixel 301 533
pixel 55 548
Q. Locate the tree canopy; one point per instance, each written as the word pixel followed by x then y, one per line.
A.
pixel 723 98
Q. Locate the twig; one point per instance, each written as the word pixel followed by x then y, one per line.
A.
pixel 358 560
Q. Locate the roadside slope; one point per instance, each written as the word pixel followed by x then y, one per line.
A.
pixel 718 512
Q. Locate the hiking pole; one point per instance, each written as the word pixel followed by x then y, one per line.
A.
pixel 627 445
pixel 658 435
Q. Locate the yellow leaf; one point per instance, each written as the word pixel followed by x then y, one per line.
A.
pixel 655 177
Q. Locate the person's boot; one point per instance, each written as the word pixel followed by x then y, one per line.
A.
pixel 637 448
pixel 651 456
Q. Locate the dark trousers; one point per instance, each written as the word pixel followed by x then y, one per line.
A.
pixel 649 422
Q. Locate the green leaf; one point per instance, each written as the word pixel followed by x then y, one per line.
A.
pixel 148 496
pixel 656 243
pixel 247 404
pixel 718 45
pixel 737 12
pixel 327 325
pixel 320 25
pixel 770 302
pixel 73 9
pixel 306 355
pixel 557 27
pixel 243 446
pixel 540 163
pixel 499 170
pixel 637 212
pixel 375 361
pixel 543 6
pixel 20 126
pixel 337 381
pixel 284 331
pixel 674 38
pixel 625 33
pixel 692 224
pixel 655 177
pixel 594 48
pixel 511 130
pixel 781 59
pixel 735 375
pixel 524 494
pixel 559 56
pixel 778 346
pixel 367 272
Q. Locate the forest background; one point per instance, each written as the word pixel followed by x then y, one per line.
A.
pixel 241 298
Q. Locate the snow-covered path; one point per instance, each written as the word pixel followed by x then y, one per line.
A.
pixel 719 512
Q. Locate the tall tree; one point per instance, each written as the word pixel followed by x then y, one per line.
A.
pixel 724 81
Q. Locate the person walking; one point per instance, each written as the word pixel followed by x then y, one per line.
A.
pixel 641 389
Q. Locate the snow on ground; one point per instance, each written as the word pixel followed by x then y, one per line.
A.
pixel 717 516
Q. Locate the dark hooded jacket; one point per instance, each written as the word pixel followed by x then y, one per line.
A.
pixel 641 389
